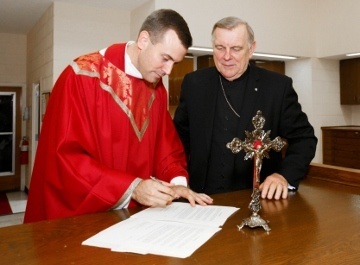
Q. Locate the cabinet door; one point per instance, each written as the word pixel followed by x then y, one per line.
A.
pixel 205 61
pixel 175 79
pixel 275 66
pixel 340 147
pixel 350 81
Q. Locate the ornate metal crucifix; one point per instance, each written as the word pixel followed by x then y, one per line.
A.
pixel 256 145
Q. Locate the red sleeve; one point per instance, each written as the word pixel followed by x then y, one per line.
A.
pixel 169 149
pixel 74 167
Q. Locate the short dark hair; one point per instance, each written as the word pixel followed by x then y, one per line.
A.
pixel 162 20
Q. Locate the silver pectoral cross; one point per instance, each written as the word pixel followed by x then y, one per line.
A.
pixel 256 145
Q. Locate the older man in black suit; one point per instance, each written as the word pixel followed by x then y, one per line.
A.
pixel 218 104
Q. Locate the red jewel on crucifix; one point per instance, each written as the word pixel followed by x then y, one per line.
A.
pixel 257 144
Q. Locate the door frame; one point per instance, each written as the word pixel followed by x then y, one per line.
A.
pixel 18 181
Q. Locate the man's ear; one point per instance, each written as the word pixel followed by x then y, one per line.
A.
pixel 252 48
pixel 143 39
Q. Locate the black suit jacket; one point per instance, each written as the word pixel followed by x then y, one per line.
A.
pixel 270 92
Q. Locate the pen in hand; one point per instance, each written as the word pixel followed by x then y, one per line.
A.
pixel 155 179
pixel 159 181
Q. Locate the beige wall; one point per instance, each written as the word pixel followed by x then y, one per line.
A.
pixel 40 63
pixel 12 58
pixel 138 16
pixel 337 24
pixel 280 26
pixel 79 29
pixel 307 28
pixel 318 31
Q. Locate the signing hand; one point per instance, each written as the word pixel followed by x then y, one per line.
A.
pixel 154 194
pixel 275 186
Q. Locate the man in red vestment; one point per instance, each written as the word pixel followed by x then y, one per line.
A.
pixel 107 133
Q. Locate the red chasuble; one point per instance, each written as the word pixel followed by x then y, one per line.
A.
pixel 102 129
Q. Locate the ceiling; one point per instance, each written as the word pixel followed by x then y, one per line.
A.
pixel 19 16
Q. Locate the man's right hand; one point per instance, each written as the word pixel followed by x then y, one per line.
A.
pixel 154 194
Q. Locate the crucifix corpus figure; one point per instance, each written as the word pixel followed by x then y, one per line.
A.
pixel 256 145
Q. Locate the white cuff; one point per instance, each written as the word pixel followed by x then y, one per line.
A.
pixel 180 180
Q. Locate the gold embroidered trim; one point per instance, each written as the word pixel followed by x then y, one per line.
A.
pixel 93 65
pixel 139 132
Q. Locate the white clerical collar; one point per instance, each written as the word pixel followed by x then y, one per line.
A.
pixel 130 69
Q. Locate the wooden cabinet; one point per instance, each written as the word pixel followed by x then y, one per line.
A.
pixel 341 146
pixel 350 81
pixel 175 79
pixel 275 66
pixel 205 61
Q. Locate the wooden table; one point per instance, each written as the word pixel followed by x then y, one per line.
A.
pixel 320 224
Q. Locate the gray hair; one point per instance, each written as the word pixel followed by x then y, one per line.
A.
pixel 231 23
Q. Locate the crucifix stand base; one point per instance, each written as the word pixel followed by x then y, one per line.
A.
pixel 254 221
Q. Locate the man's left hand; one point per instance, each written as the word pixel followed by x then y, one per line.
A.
pixel 192 196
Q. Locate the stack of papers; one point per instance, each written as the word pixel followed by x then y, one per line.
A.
pixel 176 230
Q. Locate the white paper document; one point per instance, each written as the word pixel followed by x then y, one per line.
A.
pixel 176 230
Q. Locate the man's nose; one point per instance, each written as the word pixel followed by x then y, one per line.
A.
pixel 168 67
pixel 227 54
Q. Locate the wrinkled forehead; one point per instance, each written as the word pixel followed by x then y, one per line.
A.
pixel 236 36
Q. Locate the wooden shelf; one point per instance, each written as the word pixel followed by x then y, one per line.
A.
pixel 341 146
